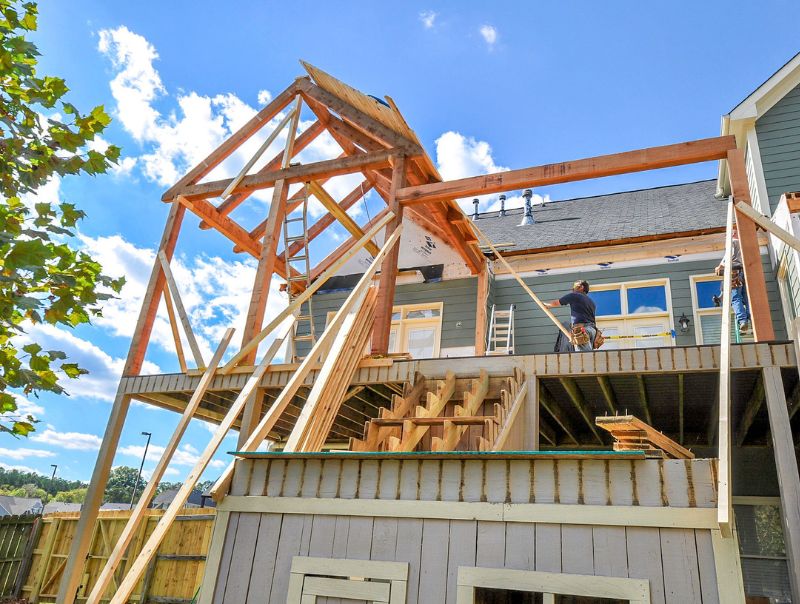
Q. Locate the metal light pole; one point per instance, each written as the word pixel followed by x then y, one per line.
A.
pixel 139 475
pixel 55 467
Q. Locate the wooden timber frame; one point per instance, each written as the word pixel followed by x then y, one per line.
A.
pixel 376 142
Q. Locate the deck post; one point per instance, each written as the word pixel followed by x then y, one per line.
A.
pixel 751 252
pixel 786 466
pixel 79 550
pixel 388 276
pixel 480 310
pixel 532 414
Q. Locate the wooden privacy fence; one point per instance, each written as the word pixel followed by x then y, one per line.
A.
pixel 17 534
pixel 172 577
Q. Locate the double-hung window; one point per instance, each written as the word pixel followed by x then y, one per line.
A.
pixel 637 314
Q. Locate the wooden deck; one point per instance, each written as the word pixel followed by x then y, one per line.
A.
pixel 670 388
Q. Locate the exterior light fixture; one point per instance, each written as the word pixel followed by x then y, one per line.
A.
pixel 683 321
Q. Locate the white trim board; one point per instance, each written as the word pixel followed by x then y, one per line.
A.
pixel 555 513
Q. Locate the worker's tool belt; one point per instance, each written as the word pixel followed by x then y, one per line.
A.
pixel 580 337
pixel 736 278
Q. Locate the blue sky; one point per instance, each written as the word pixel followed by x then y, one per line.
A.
pixel 486 87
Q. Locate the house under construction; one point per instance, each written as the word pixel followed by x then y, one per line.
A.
pixel 429 444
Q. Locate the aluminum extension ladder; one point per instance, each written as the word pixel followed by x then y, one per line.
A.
pixel 501 332
pixel 298 271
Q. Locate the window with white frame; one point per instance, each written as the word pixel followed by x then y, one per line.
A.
pixel 636 314
pixel 707 315
pixel 765 568
pixel 416 329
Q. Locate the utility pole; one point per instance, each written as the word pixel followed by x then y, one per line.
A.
pixel 55 467
pixel 141 466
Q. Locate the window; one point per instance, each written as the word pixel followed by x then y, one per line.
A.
pixel 765 567
pixel 707 315
pixel 416 329
pixel 636 314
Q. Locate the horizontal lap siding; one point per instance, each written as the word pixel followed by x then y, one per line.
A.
pixel 535 333
pixel 459 297
pixel 778 133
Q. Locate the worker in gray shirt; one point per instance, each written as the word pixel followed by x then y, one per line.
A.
pixel 741 307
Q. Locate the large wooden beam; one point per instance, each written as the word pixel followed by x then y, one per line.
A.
pixel 340 214
pixel 725 473
pixel 786 465
pixel 79 548
pixel 292 174
pixel 320 225
pixel 751 253
pixel 480 310
pixel 388 277
pixel 258 121
pixel 582 169
pixel 301 142
pixel 269 244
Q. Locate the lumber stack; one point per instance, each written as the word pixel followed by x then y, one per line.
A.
pixel 476 422
pixel 632 434
pixel 337 381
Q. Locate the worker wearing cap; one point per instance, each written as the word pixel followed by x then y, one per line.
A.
pixel 581 308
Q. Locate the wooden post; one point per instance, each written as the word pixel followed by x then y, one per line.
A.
pixel 388 278
pixel 724 503
pixel 786 465
pixel 266 263
pixel 532 414
pixel 138 514
pixel 79 549
pixel 751 254
pixel 480 310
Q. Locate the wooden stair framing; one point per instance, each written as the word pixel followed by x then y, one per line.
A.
pixel 632 434
pixel 442 423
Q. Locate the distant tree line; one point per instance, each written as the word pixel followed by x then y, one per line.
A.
pixel 119 488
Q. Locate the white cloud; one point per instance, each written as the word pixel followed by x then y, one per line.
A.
pixel 264 97
pixel 215 292
pixel 26 406
pixel 428 18
pixel 23 453
pixel 19 468
pixel 489 35
pixel 104 370
pixel 185 455
pixel 76 441
pixel 176 141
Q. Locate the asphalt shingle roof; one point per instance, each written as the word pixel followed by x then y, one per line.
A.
pixel 659 211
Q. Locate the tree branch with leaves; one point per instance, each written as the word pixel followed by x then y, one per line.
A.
pixel 44 276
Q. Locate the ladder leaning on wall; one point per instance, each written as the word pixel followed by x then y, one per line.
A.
pixel 501 331
pixel 298 272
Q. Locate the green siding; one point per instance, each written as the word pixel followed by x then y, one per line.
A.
pixel 459 297
pixel 778 133
pixel 535 333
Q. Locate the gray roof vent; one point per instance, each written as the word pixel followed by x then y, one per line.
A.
pixel 527 218
pixel 475 214
pixel 502 199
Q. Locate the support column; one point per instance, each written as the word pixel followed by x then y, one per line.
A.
pixel 786 466
pixel 388 278
pixel 532 414
pixel 751 254
pixel 480 311
pixel 269 250
pixel 250 416
pixel 79 549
